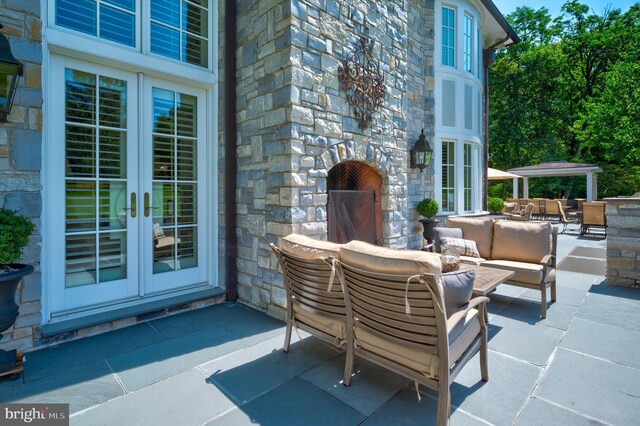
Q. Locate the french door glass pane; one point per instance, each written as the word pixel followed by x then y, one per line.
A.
pixel 95 178
pixel 174 198
pixel 116 25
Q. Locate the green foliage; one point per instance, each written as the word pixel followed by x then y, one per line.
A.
pixel 570 91
pixel 428 208
pixel 495 204
pixel 14 235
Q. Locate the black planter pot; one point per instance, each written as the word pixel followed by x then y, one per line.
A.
pixel 428 231
pixel 8 308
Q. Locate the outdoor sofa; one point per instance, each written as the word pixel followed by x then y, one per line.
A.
pixel 395 310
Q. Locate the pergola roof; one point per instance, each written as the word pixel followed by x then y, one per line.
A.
pixel 495 174
pixel 556 168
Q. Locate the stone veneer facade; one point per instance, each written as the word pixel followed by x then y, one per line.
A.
pixel 295 124
pixel 20 157
pixel 623 241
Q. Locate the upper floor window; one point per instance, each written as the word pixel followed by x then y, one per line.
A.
pixel 448 36
pixel 468 43
pixel 179 28
pixel 108 19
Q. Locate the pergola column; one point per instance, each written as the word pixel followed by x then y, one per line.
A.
pixel 592 186
pixel 525 189
pixel 515 188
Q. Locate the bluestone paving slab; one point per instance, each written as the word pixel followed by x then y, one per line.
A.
pixel 185 399
pixel 406 409
pixel 617 311
pixel 527 342
pixel 597 388
pixel 58 358
pixel 295 402
pixel 192 321
pixel 254 326
pixel 625 294
pixel 259 368
pixel 499 400
pixel 151 364
pixel 566 295
pixel 82 387
pixel 575 280
pixel 508 290
pixel 604 341
pixel 540 413
pixel 559 315
pixel 371 385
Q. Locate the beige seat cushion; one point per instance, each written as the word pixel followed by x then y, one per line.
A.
pixel 408 356
pixel 471 260
pixel 383 260
pixel 306 247
pixel 530 273
pixel 521 241
pixel 478 230
pixel 329 324
pixel 462 335
pixel 459 340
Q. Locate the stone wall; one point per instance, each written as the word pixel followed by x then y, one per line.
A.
pixel 20 156
pixel 295 124
pixel 623 241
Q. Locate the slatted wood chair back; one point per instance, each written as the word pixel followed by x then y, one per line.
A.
pixel 378 304
pixel 306 283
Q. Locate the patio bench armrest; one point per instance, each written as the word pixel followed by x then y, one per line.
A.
pixel 460 315
pixel 548 260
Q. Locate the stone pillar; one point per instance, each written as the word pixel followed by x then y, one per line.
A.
pixel 623 241
pixel 20 158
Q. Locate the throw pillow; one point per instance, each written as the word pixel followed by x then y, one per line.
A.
pixel 465 247
pixel 445 232
pixel 457 288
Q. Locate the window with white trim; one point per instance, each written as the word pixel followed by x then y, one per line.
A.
pixel 479 56
pixel 179 29
pixel 468 184
pixel 448 36
pixel 468 43
pixel 448 176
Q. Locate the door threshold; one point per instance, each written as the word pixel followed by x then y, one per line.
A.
pixel 89 318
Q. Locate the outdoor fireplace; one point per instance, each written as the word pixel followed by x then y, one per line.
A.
pixel 353 207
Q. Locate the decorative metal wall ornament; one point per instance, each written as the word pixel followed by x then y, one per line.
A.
pixel 360 78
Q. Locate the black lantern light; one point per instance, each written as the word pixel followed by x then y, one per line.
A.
pixel 421 153
pixel 10 71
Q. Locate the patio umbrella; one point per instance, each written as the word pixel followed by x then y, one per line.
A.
pixel 495 174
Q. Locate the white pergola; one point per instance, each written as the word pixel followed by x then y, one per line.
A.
pixel 558 168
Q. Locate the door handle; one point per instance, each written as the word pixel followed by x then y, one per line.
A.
pixel 147 206
pixel 134 205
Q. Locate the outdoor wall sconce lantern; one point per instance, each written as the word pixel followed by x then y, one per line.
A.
pixel 10 72
pixel 421 153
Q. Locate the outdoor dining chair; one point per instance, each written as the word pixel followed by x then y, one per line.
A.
pixel 563 218
pixel 593 215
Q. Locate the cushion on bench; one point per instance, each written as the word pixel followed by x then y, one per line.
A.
pixel 308 248
pixel 478 230
pixel 530 273
pixel 314 318
pixel 521 241
pixel 383 260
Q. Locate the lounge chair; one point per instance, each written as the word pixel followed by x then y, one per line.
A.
pixel 524 216
pixel 311 305
pixel 563 218
pixel 593 215
pixel 398 321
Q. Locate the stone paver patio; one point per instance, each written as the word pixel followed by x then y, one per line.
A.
pixel 224 365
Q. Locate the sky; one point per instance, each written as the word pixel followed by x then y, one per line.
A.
pixel 508 6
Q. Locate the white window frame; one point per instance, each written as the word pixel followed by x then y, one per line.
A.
pixel 467 184
pixel 451 177
pixel 467 53
pixel 442 41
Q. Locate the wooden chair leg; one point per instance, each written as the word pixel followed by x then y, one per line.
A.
pixel 444 406
pixel 287 336
pixel 543 292
pixel 553 290
pixel 484 367
pixel 348 365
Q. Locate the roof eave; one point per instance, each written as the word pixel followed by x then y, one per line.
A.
pixel 499 17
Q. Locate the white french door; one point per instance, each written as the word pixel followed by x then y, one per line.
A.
pixel 129 188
